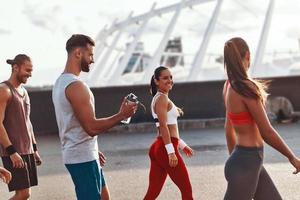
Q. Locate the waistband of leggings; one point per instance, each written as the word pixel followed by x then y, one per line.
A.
pixel 239 147
pixel 174 140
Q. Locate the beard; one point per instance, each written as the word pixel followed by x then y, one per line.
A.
pixel 22 79
pixel 85 67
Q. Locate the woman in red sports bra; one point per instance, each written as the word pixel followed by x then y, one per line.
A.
pixel 247 128
pixel 164 155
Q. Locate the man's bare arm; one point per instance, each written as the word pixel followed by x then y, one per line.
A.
pixel 5 95
pixel 79 97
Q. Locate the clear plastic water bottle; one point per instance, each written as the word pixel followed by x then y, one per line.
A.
pixel 130 98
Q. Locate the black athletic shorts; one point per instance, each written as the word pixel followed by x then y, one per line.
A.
pixel 22 178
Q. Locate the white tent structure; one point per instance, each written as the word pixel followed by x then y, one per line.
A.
pixel 112 59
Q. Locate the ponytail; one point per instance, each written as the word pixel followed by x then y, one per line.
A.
pixel 235 50
pixel 153 87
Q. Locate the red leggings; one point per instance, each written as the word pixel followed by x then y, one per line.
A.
pixel 160 168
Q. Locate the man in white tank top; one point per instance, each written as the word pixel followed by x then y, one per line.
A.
pixel 77 123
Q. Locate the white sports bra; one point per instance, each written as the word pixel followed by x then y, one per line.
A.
pixel 172 114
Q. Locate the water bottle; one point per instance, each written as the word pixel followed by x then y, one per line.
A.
pixel 130 98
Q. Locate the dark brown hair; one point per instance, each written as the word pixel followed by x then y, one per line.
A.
pixel 156 75
pixel 18 60
pixel 78 40
pixel 235 50
pixel 153 87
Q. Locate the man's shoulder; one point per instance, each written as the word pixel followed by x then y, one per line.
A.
pixel 5 92
pixel 77 92
pixel 4 89
pixel 77 88
pixel 68 79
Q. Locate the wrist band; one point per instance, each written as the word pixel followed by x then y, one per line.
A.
pixel 181 144
pixel 10 150
pixel 34 147
pixel 170 148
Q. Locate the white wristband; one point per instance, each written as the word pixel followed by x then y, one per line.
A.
pixel 170 148
pixel 182 144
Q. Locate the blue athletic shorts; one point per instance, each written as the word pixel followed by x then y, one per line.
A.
pixel 88 179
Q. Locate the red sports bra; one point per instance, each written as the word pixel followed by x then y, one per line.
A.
pixel 238 118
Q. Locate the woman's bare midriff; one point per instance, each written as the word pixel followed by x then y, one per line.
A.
pixel 173 130
pixel 248 135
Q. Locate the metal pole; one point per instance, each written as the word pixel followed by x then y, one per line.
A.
pixel 198 59
pixel 260 50
pixel 160 49
pixel 117 73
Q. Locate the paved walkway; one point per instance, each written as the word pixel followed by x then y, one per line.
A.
pixel 128 165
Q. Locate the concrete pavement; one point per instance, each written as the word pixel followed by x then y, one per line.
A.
pixel 127 166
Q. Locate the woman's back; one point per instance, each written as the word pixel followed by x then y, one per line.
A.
pixel 246 128
pixel 238 114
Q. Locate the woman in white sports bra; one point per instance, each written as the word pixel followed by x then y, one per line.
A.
pixel 164 155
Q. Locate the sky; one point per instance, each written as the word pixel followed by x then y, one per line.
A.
pixel 40 28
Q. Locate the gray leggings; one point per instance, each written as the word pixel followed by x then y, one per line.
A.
pixel 247 178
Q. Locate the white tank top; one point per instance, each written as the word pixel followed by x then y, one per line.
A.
pixel 77 145
pixel 172 114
